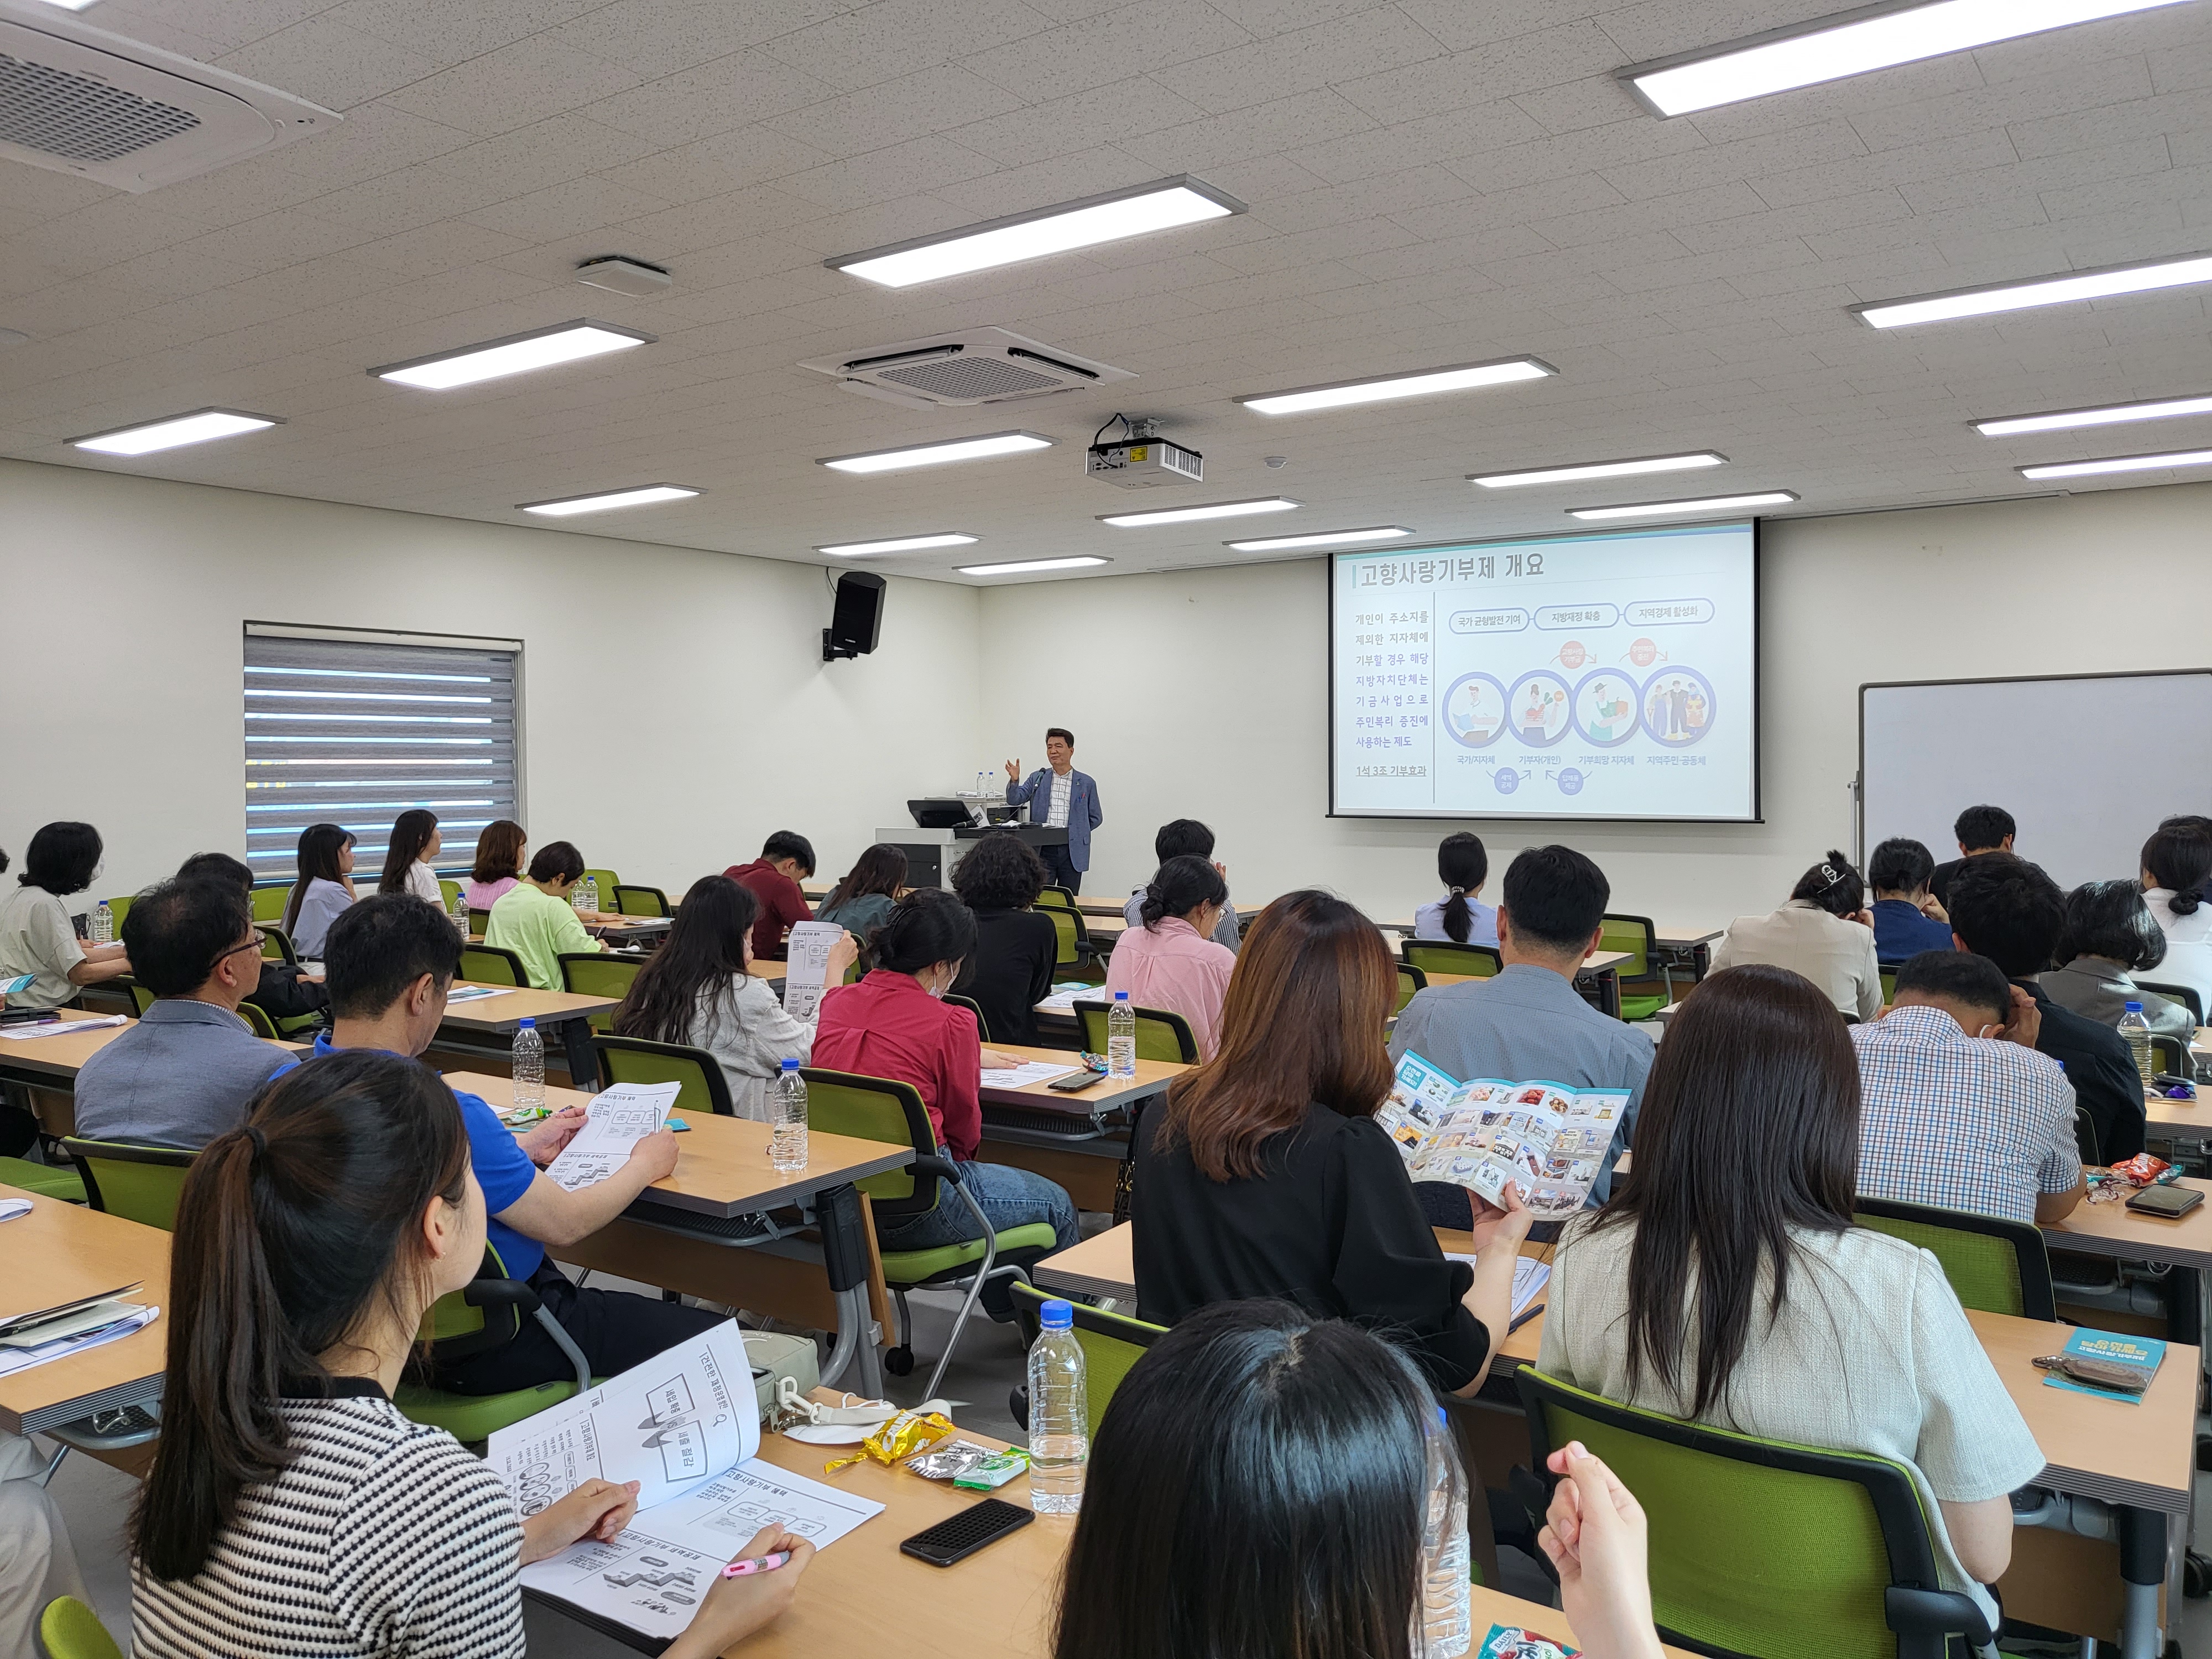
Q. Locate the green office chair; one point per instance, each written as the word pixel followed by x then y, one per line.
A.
pixel 608 881
pixel 982 1026
pixel 1763 1549
pixel 2170 1056
pixel 449 894
pixel 68 1630
pixel 256 1020
pixel 1442 956
pixel 1055 899
pixel 141 997
pixel 634 1059
pixel 1078 955
pixel 1410 980
pixel 487 964
pixel 641 901
pixel 45 1180
pixel 1636 936
pixel 1888 985
pixel 479 920
pixel 877 1109
pixel 117 909
pixel 594 974
pixel 1994 1265
pixel 1111 1344
pixel 139 1183
pixel 485 1314
pixel 277 944
pixel 2184 994
pixel 1162 1034
pixel 268 902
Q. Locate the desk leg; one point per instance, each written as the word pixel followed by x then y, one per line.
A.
pixel 2143 1569
pixel 583 1059
pixel 1609 990
pixel 845 1226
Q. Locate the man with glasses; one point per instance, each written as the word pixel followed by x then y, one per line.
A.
pixel 182 1075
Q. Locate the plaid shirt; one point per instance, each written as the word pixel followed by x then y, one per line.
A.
pixel 1961 1122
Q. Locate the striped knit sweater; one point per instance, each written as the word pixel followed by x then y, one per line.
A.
pixel 381 1539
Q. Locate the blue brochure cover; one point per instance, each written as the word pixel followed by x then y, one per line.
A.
pixel 2144 1353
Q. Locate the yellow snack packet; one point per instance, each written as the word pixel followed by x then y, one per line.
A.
pixel 900 1438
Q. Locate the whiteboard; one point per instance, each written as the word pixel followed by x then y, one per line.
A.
pixel 2086 764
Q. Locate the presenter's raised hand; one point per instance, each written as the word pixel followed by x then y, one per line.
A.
pixel 1013 771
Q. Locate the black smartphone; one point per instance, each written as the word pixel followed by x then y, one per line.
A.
pixel 1075 1081
pixel 967 1532
pixel 2172 1201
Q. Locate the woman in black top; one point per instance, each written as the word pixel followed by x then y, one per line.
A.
pixel 1010 971
pixel 1267 1175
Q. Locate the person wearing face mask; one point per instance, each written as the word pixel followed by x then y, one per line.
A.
pixel 894 1023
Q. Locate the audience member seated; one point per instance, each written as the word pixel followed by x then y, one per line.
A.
pixel 892 1025
pixel 1726 1283
pixel 391 960
pixel 1010 971
pixel 1956 1108
pixel 2005 909
pixel 1171 960
pixel 1462 865
pixel 1266 1174
pixel 182 1075
pixel 291 1508
pixel 786 860
pixel 1980 829
pixel 1529 1021
pixel 695 990
pixel 2203 826
pixel 2111 934
pixel 282 991
pixel 498 867
pixel 1824 933
pixel 536 920
pixel 1187 838
pixel 2177 862
pixel 414 842
pixel 36 934
pixel 323 889
pixel 861 901
pixel 1907 920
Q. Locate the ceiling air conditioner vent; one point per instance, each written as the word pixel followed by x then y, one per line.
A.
pixel 78 99
pixel 959 371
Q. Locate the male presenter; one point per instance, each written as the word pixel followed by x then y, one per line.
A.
pixel 1063 797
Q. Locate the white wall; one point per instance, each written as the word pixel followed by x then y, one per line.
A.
pixel 1203 694
pixel 677 709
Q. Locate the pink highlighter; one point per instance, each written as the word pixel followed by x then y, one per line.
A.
pixel 757 1564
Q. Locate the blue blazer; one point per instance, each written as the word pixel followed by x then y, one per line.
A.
pixel 1083 813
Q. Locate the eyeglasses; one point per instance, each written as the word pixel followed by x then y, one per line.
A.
pixel 253 944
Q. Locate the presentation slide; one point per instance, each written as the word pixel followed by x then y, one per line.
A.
pixel 1610 675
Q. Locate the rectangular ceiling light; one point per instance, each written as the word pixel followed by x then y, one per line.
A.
pixel 1190 514
pixel 2174 458
pixel 1994 297
pixel 1677 509
pixel 1385 388
pixel 955 449
pixel 542 348
pixel 897 545
pixel 1851 43
pixel 1117 214
pixel 1382 533
pixel 173 432
pixel 642 495
pixel 2164 409
pixel 1597 470
pixel 1021 567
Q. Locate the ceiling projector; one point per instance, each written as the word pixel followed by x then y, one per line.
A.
pixel 1140 459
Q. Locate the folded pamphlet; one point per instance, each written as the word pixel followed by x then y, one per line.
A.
pixel 807 959
pixel 620 1118
pixel 1547 1140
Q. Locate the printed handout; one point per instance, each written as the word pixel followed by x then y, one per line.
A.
pixel 620 1118
pixel 807 959
pixel 1549 1140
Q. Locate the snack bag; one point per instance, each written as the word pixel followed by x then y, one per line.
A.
pixel 899 1439
pixel 964 1463
pixel 2143 1169
pixel 1511 1642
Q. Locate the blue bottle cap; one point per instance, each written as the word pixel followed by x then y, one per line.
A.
pixel 1121 996
pixel 528 1023
pixel 2135 1007
pixel 790 1065
pixel 1056 1315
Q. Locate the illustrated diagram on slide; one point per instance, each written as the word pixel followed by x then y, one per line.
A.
pixel 1678 706
pixel 1538 707
pixel 1605 708
pixel 1474 710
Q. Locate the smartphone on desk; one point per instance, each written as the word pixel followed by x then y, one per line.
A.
pixel 2173 1202
pixel 970 1530
pixel 1075 1081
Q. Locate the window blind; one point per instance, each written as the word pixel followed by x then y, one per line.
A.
pixel 354 732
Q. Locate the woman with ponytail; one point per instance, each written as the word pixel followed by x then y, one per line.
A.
pixel 1463 865
pixel 1824 932
pixel 1172 962
pixel 2177 862
pixel 291 1508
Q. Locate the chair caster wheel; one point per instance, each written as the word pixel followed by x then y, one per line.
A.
pixel 2196 1576
pixel 899 1362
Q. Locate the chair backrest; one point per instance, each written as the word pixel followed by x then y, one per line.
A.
pixel 449 894
pixel 276 944
pixel 139 1183
pixel 1111 1344
pixel 479 920
pixel 1068 924
pixel 2171 1055
pixel 459 1326
pixel 1888 985
pixel 1162 1034
pixel 117 909
pixel 1410 980
pixel 641 901
pixel 1433 956
pixel 1994 1265
pixel 634 1059
pixel 608 881
pixel 141 997
pixel 1055 899
pixel 876 1108
pixel 2084 1136
pixel 268 901
pixel 594 974
pixel 2184 994
pixel 487 964
pixel 68 1630
pixel 1634 934
pixel 982 1026
pixel 257 1018
pixel 1757 1548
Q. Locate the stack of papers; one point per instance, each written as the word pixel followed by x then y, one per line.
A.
pixel 32 1339
pixel 1022 1076
pixel 620 1117
pixel 474 992
pixel 60 1028
pixel 1064 997
pixel 1529 1278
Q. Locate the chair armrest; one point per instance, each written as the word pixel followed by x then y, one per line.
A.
pixel 500 1293
pixel 1935 1613
pixel 932 1165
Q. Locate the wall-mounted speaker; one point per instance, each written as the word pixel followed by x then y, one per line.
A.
pixel 856 621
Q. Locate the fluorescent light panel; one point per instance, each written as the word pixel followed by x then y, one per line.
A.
pixel 1191 514
pixel 1995 297
pixel 641 496
pixel 70 5
pixel 173 432
pixel 1597 470
pixel 1020 565
pixel 1386 388
pixel 2164 409
pixel 897 545
pixel 2176 457
pixel 1085 223
pixel 516 354
pixel 955 449
pixel 1853 43
pixel 1382 533
pixel 1675 509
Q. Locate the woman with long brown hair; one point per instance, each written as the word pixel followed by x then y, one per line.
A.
pixel 1267 1175
pixel 501 844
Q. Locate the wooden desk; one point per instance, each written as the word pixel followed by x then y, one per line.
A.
pixel 2179 1120
pixel 58 1058
pixel 63 1251
pixel 1079 1141
pixel 1668 936
pixel 561 1015
pixel 2114 1230
pixel 1602 961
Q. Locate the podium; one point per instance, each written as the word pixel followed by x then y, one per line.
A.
pixel 932 855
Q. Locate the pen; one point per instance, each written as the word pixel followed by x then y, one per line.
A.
pixel 1524 1318
pixel 758 1563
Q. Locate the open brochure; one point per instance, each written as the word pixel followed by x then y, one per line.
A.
pixel 685 1425
pixel 1547 1140
pixel 806 960
pixel 620 1118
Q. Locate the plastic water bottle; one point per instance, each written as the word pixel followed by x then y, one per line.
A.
pixel 578 900
pixel 460 913
pixel 1060 1414
pixel 591 892
pixel 787 1140
pixel 103 925
pixel 1446 1620
pixel 2136 1030
pixel 1121 1037
pixel 529 1066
